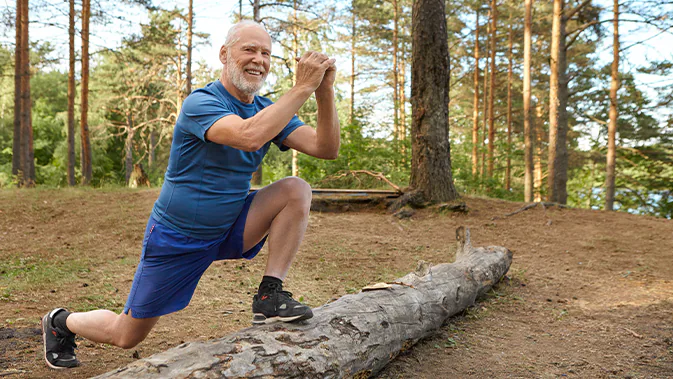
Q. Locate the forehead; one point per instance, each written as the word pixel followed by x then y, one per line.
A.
pixel 255 36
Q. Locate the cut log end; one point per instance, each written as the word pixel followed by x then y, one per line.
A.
pixel 463 242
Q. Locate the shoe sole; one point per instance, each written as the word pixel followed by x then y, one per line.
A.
pixel 44 342
pixel 257 318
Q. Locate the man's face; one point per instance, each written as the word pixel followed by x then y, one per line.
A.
pixel 248 60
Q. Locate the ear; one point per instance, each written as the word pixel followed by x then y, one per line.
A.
pixel 223 54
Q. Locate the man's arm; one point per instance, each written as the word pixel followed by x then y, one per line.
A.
pixel 324 141
pixel 252 133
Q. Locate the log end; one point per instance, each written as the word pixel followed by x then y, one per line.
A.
pixel 463 243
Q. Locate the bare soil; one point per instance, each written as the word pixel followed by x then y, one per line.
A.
pixel 589 294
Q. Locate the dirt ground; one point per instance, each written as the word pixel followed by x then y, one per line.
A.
pixel 589 294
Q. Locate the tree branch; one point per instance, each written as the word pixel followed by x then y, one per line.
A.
pixel 570 14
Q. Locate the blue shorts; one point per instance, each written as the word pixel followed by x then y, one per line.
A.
pixel 171 265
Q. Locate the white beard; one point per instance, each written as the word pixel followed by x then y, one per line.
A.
pixel 237 76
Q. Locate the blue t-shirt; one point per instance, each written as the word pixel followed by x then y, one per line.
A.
pixel 206 183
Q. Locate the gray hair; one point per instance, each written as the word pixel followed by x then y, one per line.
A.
pixel 232 34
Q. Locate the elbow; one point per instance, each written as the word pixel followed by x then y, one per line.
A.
pixel 332 155
pixel 251 146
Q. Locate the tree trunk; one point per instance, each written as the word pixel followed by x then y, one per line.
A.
pixel 17 162
pixel 431 151
pixel 258 175
pixel 539 136
pixel 527 127
pixel 128 146
pixel 240 10
pixel 352 78
pixel 558 117
pixel 485 99
pixel 396 117
pixel 403 101
pixel 71 94
pixel 255 11
pixel 475 111
pixel 612 126
pixel 491 107
pixel 295 51
pixel 190 26
pixel 27 153
pixel 87 168
pixel 355 336
pixel 508 169
pixel 179 92
pixel 151 156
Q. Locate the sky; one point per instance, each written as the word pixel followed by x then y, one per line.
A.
pixel 215 18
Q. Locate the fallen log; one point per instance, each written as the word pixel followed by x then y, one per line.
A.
pixel 354 336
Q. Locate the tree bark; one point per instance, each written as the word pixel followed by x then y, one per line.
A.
pixel 527 126
pixel 17 162
pixel 352 78
pixel 395 69
pixel 539 136
pixel 71 94
pixel 431 150
pixel 557 175
pixel 258 175
pixel 87 168
pixel 475 111
pixel 491 107
pixel 27 152
pixel 485 99
pixel 255 11
pixel 151 156
pixel 403 102
pixel 508 168
pixel 612 126
pixel 295 51
pixel 355 336
pixel 128 146
pixel 190 26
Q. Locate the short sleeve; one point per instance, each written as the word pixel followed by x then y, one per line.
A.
pixel 291 126
pixel 200 111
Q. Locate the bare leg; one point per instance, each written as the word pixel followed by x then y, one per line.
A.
pixel 104 326
pixel 281 211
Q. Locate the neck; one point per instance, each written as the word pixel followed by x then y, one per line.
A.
pixel 233 90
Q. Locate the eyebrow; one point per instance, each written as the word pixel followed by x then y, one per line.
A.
pixel 255 46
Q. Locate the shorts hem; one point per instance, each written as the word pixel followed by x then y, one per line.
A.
pixel 158 313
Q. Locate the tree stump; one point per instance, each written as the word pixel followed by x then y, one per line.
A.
pixel 355 336
pixel 138 177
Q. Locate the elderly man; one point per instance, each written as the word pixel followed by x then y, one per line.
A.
pixel 205 211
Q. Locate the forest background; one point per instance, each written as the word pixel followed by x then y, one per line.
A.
pixel 145 59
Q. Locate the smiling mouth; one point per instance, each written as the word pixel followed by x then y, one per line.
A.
pixel 254 72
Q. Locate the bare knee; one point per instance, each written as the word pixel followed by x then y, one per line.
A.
pixel 298 192
pixel 128 332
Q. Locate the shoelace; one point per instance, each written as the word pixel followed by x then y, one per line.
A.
pixel 67 342
pixel 279 290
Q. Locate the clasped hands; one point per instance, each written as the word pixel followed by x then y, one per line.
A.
pixel 316 71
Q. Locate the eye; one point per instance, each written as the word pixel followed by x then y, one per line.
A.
pixel 266 53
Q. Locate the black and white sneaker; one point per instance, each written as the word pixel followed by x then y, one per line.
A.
pixel 59 345
pixel 278 305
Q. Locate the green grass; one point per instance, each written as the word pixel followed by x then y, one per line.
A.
pixel 31 273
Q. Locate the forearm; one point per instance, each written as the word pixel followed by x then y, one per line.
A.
pixel 266 124
pixel 328 129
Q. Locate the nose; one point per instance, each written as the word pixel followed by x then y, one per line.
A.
pixel 258 58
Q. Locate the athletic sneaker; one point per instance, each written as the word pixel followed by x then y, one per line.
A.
pixel 278 305
pixel 59 345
